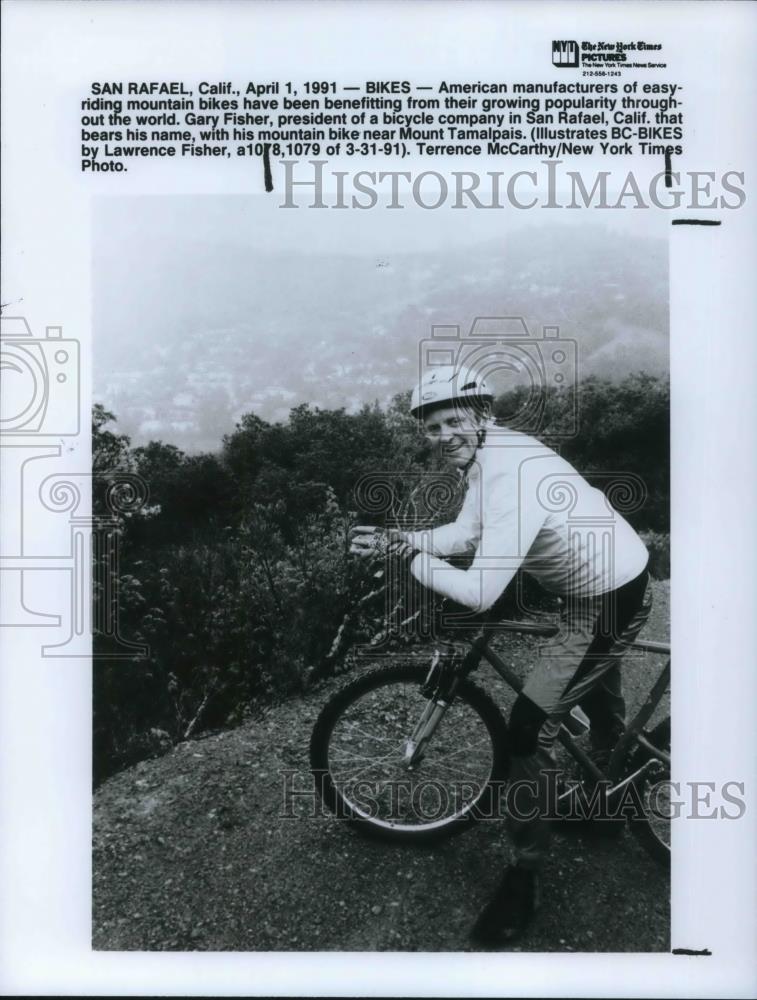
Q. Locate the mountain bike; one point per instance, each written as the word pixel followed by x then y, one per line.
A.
pixel 412 753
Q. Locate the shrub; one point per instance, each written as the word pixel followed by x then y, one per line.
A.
pixel 658 545
pixel 236 572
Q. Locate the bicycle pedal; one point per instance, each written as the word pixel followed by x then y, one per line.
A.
pixel 576 721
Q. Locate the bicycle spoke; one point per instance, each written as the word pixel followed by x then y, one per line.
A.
pixel 368 762
pixel 458 772
pixel 467 749
pixel 370 736
pixel 354 756
pixel 362 770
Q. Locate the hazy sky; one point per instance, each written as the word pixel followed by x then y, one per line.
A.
pixel 209 307
pixel 258 220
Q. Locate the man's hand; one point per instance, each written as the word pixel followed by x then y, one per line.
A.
pixel 367 541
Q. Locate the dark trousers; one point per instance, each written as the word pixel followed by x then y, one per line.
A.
pixel 579 666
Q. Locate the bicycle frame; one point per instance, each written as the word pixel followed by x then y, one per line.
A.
pixel 480 649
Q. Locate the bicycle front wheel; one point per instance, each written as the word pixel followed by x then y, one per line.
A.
pixel 358 753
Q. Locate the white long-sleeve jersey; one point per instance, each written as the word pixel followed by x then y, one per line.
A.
pixel 526 506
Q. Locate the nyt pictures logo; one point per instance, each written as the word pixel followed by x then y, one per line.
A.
pixel 565 54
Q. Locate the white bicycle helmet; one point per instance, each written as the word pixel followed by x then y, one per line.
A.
pixel 448 384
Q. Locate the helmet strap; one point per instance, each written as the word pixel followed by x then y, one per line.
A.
pixel 480 438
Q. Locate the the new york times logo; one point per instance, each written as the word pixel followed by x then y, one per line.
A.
pixel 565 54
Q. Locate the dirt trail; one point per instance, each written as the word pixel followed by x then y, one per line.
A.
pixel 194 851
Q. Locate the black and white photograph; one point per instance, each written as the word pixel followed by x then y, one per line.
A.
pixel 376 446
pixel 355 459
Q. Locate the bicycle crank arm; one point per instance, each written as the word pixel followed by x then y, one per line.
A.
pixel 631 777
pixel 656 751
pixel 573 788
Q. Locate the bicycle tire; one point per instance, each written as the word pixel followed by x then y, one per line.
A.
pixel 653 830
pixel 472 715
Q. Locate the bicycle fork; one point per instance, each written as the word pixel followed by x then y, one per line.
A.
pixel 426 726
pixel 437 705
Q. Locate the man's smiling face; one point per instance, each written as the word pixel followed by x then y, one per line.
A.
pixel 454 431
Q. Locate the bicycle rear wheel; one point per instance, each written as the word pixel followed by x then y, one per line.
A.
pixel 652 828
pixel 358 757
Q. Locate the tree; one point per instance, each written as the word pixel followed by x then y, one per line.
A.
pixel 110 451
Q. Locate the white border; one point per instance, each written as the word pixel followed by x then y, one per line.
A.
pixel 50 50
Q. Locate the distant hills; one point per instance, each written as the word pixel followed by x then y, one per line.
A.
pixel 191 335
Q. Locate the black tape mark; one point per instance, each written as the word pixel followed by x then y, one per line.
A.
pixel 267 167
pixel 696 222
pixel 668 169
pixel 690 951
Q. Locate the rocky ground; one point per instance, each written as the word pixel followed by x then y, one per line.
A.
pixel 201 850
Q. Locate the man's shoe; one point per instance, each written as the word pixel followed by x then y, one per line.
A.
pixel 511 908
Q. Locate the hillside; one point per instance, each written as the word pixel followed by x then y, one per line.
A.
pixel 192 851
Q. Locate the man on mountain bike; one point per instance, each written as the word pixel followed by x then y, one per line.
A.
pixel 514 516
